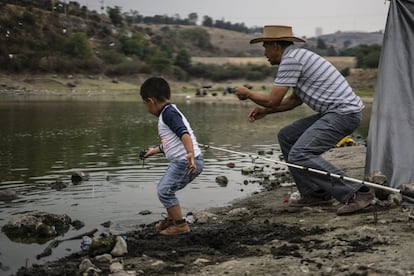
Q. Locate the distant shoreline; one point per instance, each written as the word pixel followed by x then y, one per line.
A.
pixel 99 86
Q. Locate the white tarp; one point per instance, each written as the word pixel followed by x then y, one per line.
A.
pixel 391 132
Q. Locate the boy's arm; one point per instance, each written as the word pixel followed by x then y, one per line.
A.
pixel 152 151
pixel 189 147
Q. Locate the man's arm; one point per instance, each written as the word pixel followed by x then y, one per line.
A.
pixel 287 103
pixel 272 100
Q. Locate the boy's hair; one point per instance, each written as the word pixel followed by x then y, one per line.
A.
pixel 155 87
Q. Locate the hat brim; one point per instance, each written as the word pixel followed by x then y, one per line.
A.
pixel 263 39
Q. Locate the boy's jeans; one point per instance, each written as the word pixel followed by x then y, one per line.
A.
pixel 175 178
pixel 303 142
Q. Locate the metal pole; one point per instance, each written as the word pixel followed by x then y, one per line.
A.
pixel 370 184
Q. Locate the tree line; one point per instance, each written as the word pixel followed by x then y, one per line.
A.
pixel 61 40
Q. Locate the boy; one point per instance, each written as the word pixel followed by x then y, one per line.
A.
pixel 179 145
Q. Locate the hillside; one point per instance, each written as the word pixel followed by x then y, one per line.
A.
pixel 353 39
pixel 67 39
pixel 226 42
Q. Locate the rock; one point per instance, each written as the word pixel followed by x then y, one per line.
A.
pixel 204 217
pixel 7 195
pixel 120 247
pixel 409 187
pixel 92 271
pixel 201 261
pixel 36 225
pixel 395 199
pixel 145 212
pixel 104 258
pixel 115 267
pixel 71 84
pixel 231 165
pixel 77 224
pixel 238 212
pixel 190 218
pixel 85 265
pixel 379 178
pixel 106 224
pixel 103 261
pixel 252 169
pixel 58 184
pixel 222 181
pixel 101 245
pixel 78 177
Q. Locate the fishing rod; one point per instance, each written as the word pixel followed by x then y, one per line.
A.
pixel 338 176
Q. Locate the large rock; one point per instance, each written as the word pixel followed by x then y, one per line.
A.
pixel 35 226
pixel 7 195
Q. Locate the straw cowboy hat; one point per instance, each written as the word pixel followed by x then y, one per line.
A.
pixel 277 33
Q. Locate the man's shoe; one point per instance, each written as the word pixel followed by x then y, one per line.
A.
pixel 312 199
pixel 359 201
pixel 164 224
pixel 176 229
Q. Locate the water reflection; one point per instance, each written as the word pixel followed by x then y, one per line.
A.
pixel 43 140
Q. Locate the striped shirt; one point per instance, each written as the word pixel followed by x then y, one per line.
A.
pixel 172 125
pixel 316 82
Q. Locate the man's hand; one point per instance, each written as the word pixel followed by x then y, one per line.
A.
pixel 257 113
pixel 242 93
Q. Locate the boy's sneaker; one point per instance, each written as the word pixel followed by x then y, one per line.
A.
pixel 175 229
pixel 312 199
pixel 164 224
pixel 359 201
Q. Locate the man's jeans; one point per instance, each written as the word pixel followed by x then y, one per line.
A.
pixel 303 142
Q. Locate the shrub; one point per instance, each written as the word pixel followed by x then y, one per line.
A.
pixel 77 46
pixel 28 18
pixel 112 57
pixel 183 59
pixel 128 68
pixel 179 73
pixel 346 71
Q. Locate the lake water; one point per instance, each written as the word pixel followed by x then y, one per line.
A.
pixel 46 138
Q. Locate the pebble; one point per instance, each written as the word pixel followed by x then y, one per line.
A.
pixel 238 212
pixel 204 217
pixel 85 265
pixel 116 266
pixel 120 247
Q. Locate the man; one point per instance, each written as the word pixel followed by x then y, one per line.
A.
pixel 317 83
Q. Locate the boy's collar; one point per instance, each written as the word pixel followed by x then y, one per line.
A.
pixel 163 107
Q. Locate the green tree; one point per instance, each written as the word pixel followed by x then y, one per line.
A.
pixel 192 18
pixel 320 44
pixel 132 46
pixel 368 56
pixel 160 62
pixel 197 36
pixel 183 59
pixel 77 46
pixel 115 15
pixel 207 21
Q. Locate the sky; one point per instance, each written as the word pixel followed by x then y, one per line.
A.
pixel 303 15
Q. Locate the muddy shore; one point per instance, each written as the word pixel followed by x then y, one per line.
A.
pixel 262 235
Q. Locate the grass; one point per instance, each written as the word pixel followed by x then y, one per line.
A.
pixel 365 92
